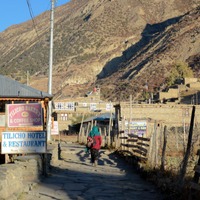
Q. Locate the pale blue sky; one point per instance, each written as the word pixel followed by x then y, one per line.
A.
pixel 17 11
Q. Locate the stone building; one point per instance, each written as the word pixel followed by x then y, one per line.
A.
pixel 72 110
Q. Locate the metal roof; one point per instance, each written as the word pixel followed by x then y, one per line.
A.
pixel 12 88
pixel 101 117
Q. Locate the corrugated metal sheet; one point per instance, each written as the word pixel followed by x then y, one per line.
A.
pixel 12 88
pixel 101 117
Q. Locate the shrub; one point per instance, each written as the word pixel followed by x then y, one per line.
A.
pixel 179 70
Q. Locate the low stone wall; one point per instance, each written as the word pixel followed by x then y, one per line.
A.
pixel 26 171
pixel 65 138
pixel 169 114
pixel 11 180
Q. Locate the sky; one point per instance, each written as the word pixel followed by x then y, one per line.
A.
pixel 17 11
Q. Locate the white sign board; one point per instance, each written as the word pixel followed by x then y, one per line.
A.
pixel 64 106
pixel 93 106
pixel 109 107
pixel 138 128
pixel 85 105
pixel 54 130
pixel 23 142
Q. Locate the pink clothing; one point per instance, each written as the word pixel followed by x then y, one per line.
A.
pixel 98 141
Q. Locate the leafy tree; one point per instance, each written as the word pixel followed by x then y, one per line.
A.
pixel 179 70
pixel 145 95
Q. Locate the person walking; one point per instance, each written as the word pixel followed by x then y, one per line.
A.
pixel 96 139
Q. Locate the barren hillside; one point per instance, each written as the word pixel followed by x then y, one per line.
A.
pixel 118 44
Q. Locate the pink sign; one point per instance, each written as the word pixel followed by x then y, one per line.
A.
pixel 23 115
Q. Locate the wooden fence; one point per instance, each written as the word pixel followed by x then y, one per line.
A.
pixel 134 147
pixel 104 131
pixel 195 184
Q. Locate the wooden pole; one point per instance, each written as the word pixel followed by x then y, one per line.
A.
pixel 187 154
pixel 87 132
pixel 118 129
pixel 80 130
pixel 123 133
pixel 156 145
pixel 153 145
pixel 184 133
pixel 92 124
pixel 164 149
pixel 196 174
pixel 83 135
pixel 110 124
pixel 130 119
pixel 177 139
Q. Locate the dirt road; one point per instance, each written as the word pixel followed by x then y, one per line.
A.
pixel 73 177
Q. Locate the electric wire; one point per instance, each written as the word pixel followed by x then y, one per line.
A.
pixel 33 21
pixel 32 17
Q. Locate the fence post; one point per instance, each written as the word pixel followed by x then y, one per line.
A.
pixel 80 130
pixel 164 149
pixel 187 154
pixel 87 132
pixel 105 137
pixel 153 145
pixel 177 140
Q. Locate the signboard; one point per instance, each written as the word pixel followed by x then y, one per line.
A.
pixel 54 130
pixel 109 106
pixel 138 128
pixel 85 105
pixel 23 115
pixel 64 106
pixel 93 106
pixel 23 142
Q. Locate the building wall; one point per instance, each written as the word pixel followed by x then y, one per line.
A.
pixel 190 80
pixel 65 114
pixel 195 85
pixel 171 93
pixel 173 114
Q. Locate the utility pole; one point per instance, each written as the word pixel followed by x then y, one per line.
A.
pixel 50 72
pixel 27 78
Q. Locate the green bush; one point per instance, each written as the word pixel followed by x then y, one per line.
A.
pixel 179 70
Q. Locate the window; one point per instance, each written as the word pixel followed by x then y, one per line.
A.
pixel 63 117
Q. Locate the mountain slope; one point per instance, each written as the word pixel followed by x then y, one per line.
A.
pixel 102 42
pixel 152 63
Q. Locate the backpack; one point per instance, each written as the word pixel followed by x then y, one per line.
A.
pixel 90 142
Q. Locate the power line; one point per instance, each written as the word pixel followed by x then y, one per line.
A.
pixel 32 17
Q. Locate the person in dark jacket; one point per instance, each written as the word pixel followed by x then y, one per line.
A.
pixel 97 140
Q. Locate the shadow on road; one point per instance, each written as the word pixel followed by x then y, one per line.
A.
pixel 73 177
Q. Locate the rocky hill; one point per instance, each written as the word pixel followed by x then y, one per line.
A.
pixel 120 45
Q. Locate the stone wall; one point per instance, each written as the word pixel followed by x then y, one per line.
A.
pixel 195 85
pixel 171 93
pixel 170 114
pixel 25 172
pixel 190 80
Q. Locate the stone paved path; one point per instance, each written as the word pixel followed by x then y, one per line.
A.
pixel 75 178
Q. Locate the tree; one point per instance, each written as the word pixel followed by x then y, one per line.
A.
pixel 179 70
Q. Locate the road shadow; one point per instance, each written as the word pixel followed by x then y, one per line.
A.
pixel 113 178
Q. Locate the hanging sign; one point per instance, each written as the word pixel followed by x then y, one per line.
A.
pixel 23 115
pixel 23 142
